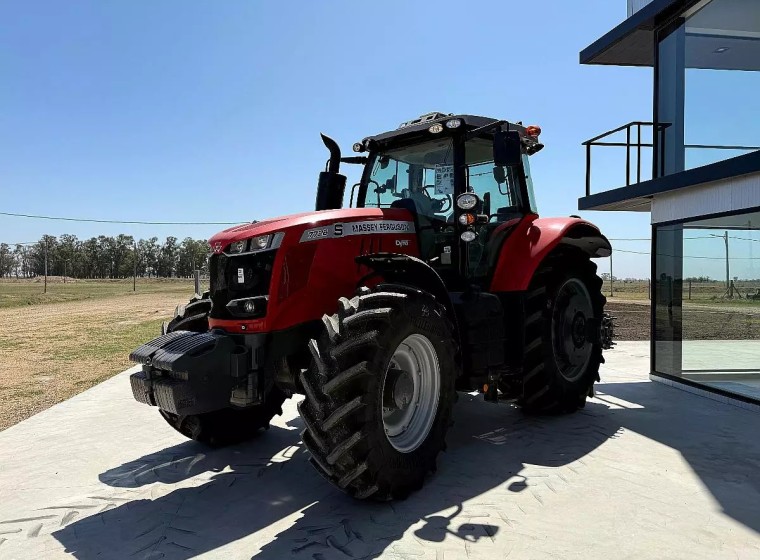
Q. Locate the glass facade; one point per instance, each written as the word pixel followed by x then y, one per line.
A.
pixel 708 76
pixel 706 302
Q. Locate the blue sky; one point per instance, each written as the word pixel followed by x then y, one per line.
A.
pixel 174 110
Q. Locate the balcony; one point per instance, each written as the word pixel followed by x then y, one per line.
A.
pixel 654 166
pixel 639 136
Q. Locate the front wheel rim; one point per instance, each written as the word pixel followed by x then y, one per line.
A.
pixel 410 392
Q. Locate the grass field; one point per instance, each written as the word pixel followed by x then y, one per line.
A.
pixel 16 293
pixel 80 333
pixel 58 344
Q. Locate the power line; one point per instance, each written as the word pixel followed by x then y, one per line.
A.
pixel 140 222
pixel 684 256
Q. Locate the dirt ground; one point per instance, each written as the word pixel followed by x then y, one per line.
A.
pixel 632 319
pixel 51 352
pixel 700 321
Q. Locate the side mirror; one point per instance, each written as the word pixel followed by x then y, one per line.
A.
pixel 487 203
pixel 499 175
pixel 507 148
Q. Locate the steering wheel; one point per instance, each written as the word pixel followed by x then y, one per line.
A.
pixel 439 204
pixel 450 200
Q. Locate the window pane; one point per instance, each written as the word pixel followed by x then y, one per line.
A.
pixel 670 103
pixel 707 302
pixel 721 294
pixel 722 80
pixel 413 173
pixel 667 299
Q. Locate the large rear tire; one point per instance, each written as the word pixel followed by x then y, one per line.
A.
pixel 563 310
pixel 379 392
pixel 227 426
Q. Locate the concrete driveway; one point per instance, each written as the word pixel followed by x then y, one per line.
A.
pixel 644 471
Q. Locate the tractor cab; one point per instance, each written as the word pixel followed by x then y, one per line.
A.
pixel 466 179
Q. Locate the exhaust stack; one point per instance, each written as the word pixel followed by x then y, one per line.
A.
pixel 331 184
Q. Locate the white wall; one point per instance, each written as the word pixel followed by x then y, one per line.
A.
pixel 737 193
pixel 635 5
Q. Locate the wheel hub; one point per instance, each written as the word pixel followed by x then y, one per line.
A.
pixel 410 392
pixel 579 330
pixel 399 389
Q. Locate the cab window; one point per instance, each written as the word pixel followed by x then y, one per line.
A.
pixel 497 187
pixel 421 175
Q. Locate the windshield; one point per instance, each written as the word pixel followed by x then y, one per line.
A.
pixel 421 174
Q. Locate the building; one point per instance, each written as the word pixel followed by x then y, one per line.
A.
pixel 695 167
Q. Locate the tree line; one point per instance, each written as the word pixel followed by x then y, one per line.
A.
pixel 104 257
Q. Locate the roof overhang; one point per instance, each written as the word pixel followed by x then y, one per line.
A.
pixel 632 42
pixel 638 197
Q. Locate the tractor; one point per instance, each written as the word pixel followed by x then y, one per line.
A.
pixel 439 277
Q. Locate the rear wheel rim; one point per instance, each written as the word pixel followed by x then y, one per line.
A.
pixel 410 391
pixel 571 318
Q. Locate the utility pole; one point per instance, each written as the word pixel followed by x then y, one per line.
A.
pixel 134 273
pixel 611 275
pixel 728 270
pixel 64 270
pixel 728 274
pixel 46 244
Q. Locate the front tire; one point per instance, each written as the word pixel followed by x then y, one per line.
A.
pixel 379 392
pixel 563 311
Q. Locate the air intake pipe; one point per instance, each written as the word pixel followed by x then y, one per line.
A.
pixel 331 184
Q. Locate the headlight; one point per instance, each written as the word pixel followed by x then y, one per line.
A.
pixel 260 242
pixel 255 244
pixel 238 246
pixel 453 123
pixel 468 236
pixel 467 201
pixel 436 128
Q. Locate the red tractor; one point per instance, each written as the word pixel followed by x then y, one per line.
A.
pixel 439 278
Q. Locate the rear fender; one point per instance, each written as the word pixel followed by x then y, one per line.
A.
pixel 532 241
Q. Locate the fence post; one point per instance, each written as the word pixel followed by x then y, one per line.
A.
pixel 197 274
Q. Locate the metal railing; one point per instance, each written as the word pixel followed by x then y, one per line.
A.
pixel 658 128
pixel 657 145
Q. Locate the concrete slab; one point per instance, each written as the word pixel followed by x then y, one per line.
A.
pixel 708 355
pixel 644 471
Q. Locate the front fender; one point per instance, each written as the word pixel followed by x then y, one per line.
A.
pixel 406 269
pixel 533 239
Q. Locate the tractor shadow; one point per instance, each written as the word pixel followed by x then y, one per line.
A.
pixel 267 486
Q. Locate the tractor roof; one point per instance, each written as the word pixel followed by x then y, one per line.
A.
pixel 423 123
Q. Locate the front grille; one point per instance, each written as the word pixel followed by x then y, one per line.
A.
pixel 228 282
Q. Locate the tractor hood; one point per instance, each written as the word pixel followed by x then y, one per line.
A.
pixel 301 222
